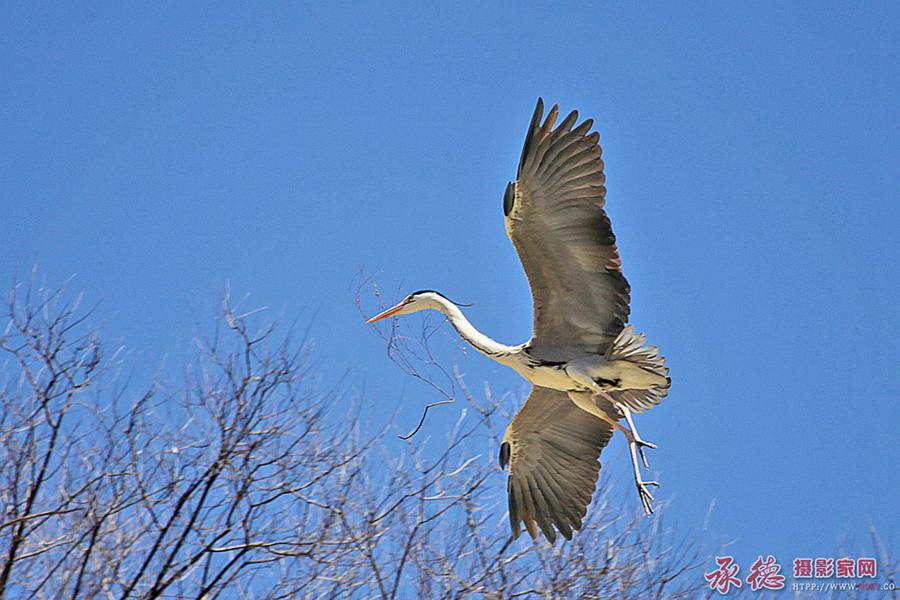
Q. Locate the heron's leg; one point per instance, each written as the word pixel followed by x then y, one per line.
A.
pixel 637 437
pixel 643 492
pixel 634 432
pixel 584 401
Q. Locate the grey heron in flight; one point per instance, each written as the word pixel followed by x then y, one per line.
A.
pixel 588 369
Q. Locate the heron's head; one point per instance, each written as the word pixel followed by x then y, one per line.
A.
pixel 421 300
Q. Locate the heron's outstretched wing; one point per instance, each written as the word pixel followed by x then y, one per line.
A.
pixel 552 448
pixel 555 218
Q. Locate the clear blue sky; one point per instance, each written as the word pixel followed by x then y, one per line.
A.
pixel 158 151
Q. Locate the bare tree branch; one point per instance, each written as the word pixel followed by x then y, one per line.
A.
pixel 247 479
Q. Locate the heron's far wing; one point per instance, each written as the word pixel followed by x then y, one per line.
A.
pixel 555 219
pixel 552 448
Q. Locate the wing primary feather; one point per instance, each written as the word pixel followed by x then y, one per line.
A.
pixel 530 525
pixel 583 128
pixel 549 122
pixel 528 509
pixel 514 494
pixel 532 129
pixel 535 140
pixel 566 124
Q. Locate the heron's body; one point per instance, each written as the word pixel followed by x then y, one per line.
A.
pixel 588 369
pixel 572 375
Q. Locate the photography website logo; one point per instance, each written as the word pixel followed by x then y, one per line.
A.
pixel 809 574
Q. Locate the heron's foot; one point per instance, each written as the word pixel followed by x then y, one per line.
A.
pixel 640 448
pixel 633 436
pixel 639 444
pixel 645 495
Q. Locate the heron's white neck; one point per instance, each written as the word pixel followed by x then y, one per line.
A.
pixel 467 331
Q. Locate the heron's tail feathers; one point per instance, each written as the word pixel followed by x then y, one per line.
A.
pixel 630 346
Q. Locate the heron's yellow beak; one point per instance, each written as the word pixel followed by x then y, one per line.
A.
pixel 388 313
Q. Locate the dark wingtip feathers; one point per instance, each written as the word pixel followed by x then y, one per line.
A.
pixel 535 123
pixel 540 128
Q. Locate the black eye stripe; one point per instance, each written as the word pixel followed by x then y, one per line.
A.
pixel 412 297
